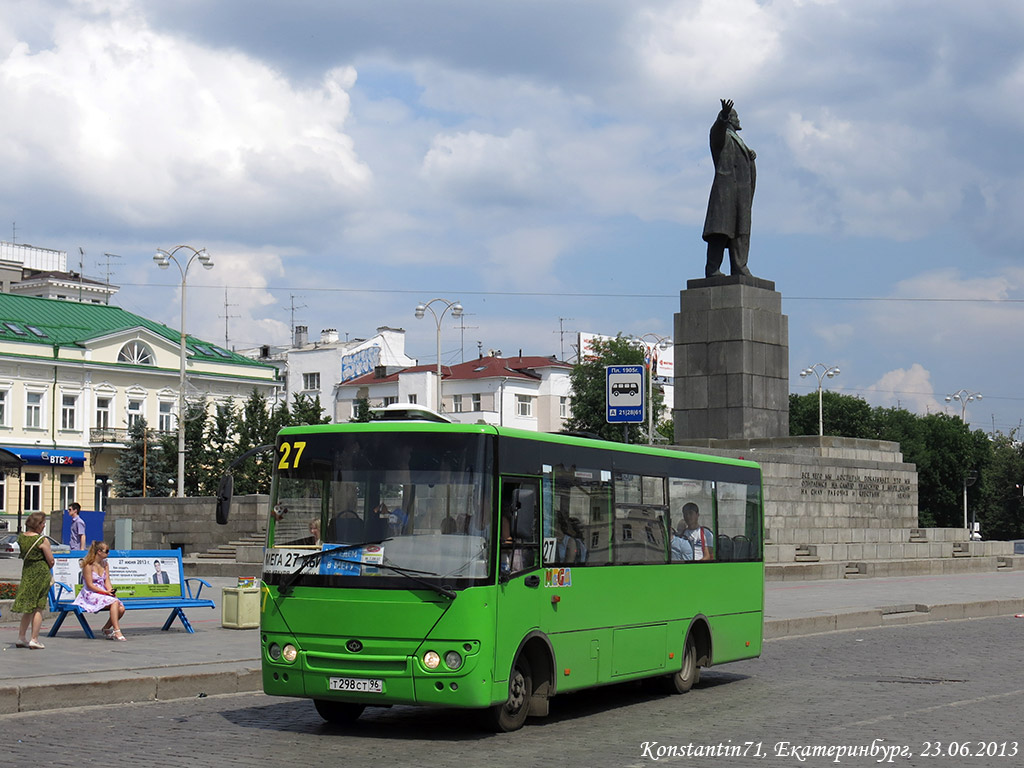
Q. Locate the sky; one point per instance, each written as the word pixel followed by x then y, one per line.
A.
pixel 543 162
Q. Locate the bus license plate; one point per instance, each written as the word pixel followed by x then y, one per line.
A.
pixel 357 684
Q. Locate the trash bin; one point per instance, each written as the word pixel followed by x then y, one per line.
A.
pixel 240 608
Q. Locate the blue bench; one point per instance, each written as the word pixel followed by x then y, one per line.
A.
pixel 137 587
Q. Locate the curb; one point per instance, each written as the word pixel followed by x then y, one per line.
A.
pixel 57 692
pixel 890 616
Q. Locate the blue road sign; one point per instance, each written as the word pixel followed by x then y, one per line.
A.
pixel 624 394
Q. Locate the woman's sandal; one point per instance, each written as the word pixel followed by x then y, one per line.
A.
pixel 35 645
pixel 108 632
pixel 116 635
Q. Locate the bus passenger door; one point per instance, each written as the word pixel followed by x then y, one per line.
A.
pixel 519 577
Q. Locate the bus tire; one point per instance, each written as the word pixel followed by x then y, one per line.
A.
pixel 338 712
pixel 689 674
pixel 511 714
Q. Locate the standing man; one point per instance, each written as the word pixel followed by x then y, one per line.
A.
pixel 77 540
pixel 727 224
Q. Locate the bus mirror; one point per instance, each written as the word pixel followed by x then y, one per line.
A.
pixel 224 491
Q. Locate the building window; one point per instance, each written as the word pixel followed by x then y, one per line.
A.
pixel 477 406
pixel 390 401
pixel 524 405
pixel 33 492
pixel 311 381
pixel 457 403
pixel 563 407
pixel 102 413
pixel 412 399
pixel 136 353
pixel 134 412
pixel 3 492
pixel 67 490
pixel 166 418
pixel 34 409
pixel 68 410
pixel 3 407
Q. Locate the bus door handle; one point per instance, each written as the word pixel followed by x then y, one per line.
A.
pixel 532 581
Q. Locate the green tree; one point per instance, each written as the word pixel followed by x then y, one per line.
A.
pixel 220 447
pixel 195 421
pixel 587 390
pixel 307 410
pixel 1000 499
pixel 842 415
pixel 362 409
pixel 141 467
pixel 256 425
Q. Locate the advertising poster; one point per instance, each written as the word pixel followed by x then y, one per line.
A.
pixel 152 573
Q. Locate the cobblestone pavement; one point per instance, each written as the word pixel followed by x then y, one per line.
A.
pixel 928 688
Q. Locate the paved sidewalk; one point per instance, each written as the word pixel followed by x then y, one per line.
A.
pixel 74 671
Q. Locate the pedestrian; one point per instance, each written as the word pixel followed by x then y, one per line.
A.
pixel 97 592
pixel 35 579
pixel 77 540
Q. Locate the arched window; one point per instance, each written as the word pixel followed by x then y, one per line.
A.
pixel 136 353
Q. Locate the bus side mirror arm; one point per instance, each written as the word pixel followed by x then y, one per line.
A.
pixel 227 484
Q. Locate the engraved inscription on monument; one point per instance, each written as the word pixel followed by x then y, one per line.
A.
pixel 853 485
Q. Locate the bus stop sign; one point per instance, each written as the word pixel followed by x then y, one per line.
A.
pixel 624 394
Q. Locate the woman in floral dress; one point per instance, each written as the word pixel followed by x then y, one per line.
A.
pixel 97 593
pixel 35 579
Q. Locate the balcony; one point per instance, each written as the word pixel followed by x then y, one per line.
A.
pixel 105 436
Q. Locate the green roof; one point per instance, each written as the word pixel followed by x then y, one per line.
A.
pixel 32 320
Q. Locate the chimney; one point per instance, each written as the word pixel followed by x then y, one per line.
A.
pixel 328 335
pixel 301 334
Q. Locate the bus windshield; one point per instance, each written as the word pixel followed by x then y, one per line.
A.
pixel 418 503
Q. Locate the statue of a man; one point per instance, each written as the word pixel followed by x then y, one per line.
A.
pixel 727 224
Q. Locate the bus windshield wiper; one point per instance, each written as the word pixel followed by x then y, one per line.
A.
pixel 307 559
pixel 410 574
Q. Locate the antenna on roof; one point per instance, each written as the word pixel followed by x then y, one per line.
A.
pixel 81 269
pixel 108 270
pixel 291 296
pixel 226 316
pixel 561 336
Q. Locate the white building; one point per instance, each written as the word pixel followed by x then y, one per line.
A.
pixel 74 376
pixel 523 392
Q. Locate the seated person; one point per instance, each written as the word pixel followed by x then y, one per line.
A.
pixel 701 540
pixel 681 548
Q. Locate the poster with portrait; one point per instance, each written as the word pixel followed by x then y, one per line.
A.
pixel 141 573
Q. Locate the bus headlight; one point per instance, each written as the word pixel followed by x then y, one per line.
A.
pixel 274 651
pixel 290 653
pixel 453 660
pixel 431 660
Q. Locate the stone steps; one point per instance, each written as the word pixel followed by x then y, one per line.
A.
pixel 861 569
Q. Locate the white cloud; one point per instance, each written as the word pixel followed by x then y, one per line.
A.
pixel 152 128
pixel 477 168
pixel 906 388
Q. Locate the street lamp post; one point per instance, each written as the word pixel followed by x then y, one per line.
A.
pixel 656 342
pixel 963 397
pixel 163 260
pixel 822 371
pixel 456 310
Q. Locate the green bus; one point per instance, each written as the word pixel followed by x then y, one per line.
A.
pixel 468 565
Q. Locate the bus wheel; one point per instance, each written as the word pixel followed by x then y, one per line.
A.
pixel 685 678
pixel 511 715
pixel 338 712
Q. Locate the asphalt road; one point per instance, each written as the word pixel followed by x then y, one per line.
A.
pixel 921 690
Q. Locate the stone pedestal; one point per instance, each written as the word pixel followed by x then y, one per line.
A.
pixel 732 361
